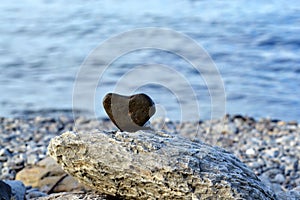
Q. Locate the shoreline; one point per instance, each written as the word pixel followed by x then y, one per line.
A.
pixel 271 148
pixel 68 112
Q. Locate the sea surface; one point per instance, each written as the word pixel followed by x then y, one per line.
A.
pixel 255 46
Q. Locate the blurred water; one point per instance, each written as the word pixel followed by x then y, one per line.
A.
pixel 255 45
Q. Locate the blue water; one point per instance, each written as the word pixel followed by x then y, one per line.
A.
pixel 254 44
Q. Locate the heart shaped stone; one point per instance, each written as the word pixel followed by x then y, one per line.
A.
pixel 129 113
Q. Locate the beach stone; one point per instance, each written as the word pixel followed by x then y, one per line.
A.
pixel 279 178
pixel 3 159
pixel 34 175
pixel 35 194
pixel 250 152
pixel 7 173
pixel 5 191
pixel 129 113
pixel 276 188
pixel 297 189
pixel 32 159
pixel 46 174
pixel 4 152
pixel 18 189
pixel 293 123
pixel 254 165
pixel 155 165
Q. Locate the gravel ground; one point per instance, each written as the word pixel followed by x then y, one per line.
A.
pixel 271 148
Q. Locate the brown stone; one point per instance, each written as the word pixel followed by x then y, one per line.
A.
pixel 129 113
pixel 48 175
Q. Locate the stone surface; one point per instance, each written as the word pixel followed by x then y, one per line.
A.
pixel 74 196
pixel 5 191
pixel 129 113
pixel 34 193
pixel 290 195
pixel 155 165
pixel 46 174
pixel 18 189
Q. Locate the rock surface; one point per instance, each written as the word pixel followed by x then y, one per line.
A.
pixel 74 196
pixel 18 189
pixel 151 165
pixel 129 113
pixel 47 175
pixel 5 191
pixel 32 193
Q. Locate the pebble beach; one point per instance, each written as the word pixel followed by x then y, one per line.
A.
pixel 206 58
pixel 271 148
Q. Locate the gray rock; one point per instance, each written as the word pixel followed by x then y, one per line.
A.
pixel 155 165
pixel 279 178
pixel 32 193
pixel 7 173
pixel 18 189
pixel 3 159
pixel 256 164
pixel 35 194
pixel 297 188
pixel 32 159
pixel 5 191
pixel 276 188
pixel 290 195
pixel 4 152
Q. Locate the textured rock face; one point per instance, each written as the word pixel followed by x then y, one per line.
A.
pixel 74 196
pixel 129 113
pixel 155 165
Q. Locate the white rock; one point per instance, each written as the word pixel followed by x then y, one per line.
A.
pixel 250 152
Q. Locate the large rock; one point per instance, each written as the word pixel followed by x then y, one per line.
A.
pixel 155 165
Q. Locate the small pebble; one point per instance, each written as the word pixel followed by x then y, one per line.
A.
pixel 279 178
pixel 32 159
pixel 250 152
